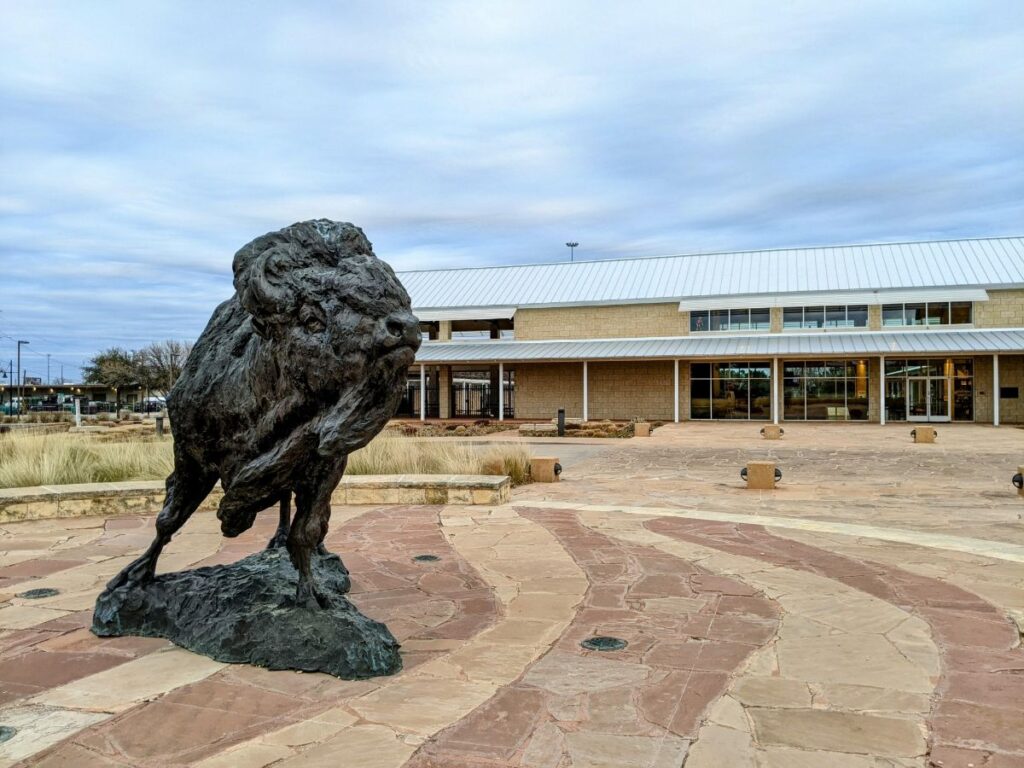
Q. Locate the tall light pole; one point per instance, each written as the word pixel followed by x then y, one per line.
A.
pixel 47 369
pixel 10 384
pixel 572 249
pixel 21 380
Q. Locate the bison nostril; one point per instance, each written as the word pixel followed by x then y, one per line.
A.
pixel 396 328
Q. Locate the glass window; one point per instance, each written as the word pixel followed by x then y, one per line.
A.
pixel 835 317
pixel 814 317
pixel 914 314
pixel 938 313
pixel 699 321
pixel 857 316
pixel 960 312
pixel 792 370
pixel 730 390
pixel 700 397
pixel 892 314
pixel 793 317
pixel 719 320
pixel 761 319
pixel 739 319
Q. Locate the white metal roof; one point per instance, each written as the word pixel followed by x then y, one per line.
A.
pixel 925 342
pixel 981 263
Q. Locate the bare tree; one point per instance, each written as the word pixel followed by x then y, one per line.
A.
pixel 159 364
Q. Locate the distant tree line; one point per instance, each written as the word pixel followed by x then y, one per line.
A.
pixel 153 368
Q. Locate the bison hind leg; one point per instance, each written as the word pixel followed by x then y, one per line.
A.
pixel 280 537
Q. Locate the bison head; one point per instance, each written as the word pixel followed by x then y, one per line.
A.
pixel 336 322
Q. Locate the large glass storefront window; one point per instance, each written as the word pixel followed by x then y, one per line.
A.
pixel 825 390
pixel 933 389
pixel 733 390
pixel 930 313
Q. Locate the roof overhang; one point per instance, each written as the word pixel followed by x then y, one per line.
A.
pixel 465 313
pixel 865 343
pixel 910 296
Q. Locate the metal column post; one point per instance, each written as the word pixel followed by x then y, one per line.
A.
pixel 675 389
pixel 995 390
pixel 775 390
pixel 501 391
pixel 423 392
pixel 881 390
pixel 586 410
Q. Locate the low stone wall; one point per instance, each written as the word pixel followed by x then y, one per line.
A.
pixel 145 497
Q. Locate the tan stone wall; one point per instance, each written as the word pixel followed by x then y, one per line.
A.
pixel 617 390
pixel 612 322
pixel 983 388
pixel 627 389
pixel 776 319
pixel 874 385
pixel 543 388
pixel 1011 374
pixel 874 317
pixel 1004 309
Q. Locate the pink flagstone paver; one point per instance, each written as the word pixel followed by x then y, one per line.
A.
pixel 978 716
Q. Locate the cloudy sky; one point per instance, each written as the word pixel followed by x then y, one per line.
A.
pixel 141 143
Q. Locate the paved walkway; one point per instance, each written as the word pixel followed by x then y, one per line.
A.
pixel 865 614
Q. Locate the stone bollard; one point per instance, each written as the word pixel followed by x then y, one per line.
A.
pixel 561 422
pixel 159 426
pixel 772 432
pixel 760 475
pixel 545 469
pixel 923 434
pixel 642 429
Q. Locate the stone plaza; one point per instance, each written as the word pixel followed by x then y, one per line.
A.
pixel 865 613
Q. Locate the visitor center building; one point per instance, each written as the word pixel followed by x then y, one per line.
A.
pixel 923 331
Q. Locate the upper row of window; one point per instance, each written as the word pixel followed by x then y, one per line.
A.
pixel 930 313
pixel 839 316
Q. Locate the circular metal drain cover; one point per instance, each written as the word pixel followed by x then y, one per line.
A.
pixel 604 643
pixel 35 594
pixel 426 558
pixel 7 733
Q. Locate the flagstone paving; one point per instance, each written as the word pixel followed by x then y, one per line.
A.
pixel 867 613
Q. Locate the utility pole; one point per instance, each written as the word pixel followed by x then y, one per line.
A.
pixel 47 369
pixel 572 249
pixel 21 381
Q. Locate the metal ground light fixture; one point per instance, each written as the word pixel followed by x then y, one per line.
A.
pixel 1018 481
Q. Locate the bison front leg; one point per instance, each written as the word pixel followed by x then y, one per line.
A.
pixel 308 529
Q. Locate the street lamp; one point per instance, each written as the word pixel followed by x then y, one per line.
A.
pixel 572 249
pixel 21 381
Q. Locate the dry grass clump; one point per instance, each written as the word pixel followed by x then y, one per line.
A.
pixel 390 455
pixel 62 458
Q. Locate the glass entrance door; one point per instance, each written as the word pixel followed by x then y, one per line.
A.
pixel 927 398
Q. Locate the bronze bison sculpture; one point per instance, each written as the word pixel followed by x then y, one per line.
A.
pixel 304 364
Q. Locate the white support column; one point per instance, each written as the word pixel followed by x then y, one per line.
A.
pixel 423 392
pixel 995 390
pixel 775 390
pixel 675 389
pixel 586 407
pixel 881 390
pixel 501 391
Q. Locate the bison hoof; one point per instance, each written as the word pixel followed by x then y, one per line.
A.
pixel 136 574
pixel 308 596
pixel 279 540
pixel 322 550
